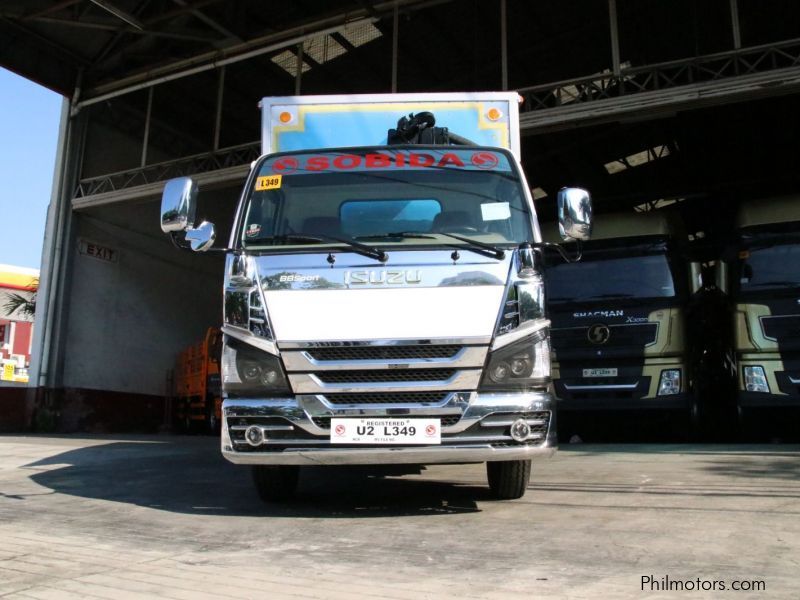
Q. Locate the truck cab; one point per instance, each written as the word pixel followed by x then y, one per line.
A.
pixel 384 297
pixel 618 318
pixel 762 277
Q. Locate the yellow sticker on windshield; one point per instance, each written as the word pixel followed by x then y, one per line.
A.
pixel 268 182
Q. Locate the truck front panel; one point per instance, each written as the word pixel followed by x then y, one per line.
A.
pixel 381 288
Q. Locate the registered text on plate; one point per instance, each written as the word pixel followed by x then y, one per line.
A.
pixel 372 430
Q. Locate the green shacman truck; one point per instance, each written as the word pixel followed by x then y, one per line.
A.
pixel 761 274
pixel 619 319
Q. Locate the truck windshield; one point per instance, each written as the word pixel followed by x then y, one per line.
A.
pixel 770 267
pixel 647 276
pixel 405 196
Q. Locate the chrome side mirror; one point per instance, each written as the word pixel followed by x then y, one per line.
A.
pixel 202 237
pixel 178 205
pixel 178 208
pixel 574 214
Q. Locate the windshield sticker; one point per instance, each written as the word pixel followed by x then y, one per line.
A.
pixel 495 211
pixel 347 162
pixel 252 230
pixel 268 182
pixel 483 160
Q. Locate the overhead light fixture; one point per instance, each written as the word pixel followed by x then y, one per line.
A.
pixel 637 159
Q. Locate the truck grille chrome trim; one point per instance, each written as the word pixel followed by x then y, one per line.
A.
pixel 347 353
pixel 397 381
pixel 464 341
pixel 406 375
pixel 415 398
pixel 384 357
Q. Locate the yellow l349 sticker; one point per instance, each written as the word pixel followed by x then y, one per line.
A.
pixel 268 182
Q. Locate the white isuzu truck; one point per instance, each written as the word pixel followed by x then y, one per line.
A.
pixel 384 300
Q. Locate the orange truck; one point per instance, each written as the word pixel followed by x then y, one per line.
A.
pixel 197 398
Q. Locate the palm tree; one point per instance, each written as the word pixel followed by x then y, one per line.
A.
pixel 25 304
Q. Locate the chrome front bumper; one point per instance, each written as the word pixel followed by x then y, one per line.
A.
pixel 479 434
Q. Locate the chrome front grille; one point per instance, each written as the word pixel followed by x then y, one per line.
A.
pixel 391 375
pixel 348 353
pixel 383 367
pixel 396 398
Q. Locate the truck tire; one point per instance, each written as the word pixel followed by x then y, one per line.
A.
pixel 275 484
pixel 211 421
pixel 508 479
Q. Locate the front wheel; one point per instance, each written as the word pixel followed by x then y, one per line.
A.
pixel 508 479
pixel 276 483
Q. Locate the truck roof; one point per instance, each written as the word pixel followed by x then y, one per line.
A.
pixel 783 209
pixel 316 122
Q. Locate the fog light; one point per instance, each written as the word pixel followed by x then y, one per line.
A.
pixel 670 383
pixel 254 435
pixel 520 430
pixel 755 380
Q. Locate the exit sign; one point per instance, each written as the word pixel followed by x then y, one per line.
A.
pixel 98 251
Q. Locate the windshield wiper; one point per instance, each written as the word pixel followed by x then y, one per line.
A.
pixel 478 247
pixel 358 248
pixel 396 234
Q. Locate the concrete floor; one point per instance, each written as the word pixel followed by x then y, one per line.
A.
pixel 162 516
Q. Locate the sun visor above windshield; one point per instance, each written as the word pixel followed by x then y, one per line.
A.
pixel 306 122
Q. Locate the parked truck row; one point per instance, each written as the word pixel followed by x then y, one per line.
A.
pixel 639 325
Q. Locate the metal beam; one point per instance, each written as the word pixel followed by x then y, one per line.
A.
pixel 146 139
pixel 210 65
pixel 61 51
pixel 109 26
pixel 195 12
pixel 276 40
pixel 218 117
pixel 298 69
pixel 737 34
pixel 50 9
pixel 207 180
pixel 652 104
pixel 395 38
pixel 614 31
pixel 118 12
pixel 503 45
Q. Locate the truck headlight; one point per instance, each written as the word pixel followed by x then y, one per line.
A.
pixel 524 302
pixel 523 364
pixel 755 380
pixel 670 383
pixel 246 310
pixel 248 371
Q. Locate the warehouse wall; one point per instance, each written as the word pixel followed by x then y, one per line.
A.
pixel 134 301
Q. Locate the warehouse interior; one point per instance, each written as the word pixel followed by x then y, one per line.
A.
pixel 644 103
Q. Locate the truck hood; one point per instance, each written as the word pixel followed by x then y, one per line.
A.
pixel 414 295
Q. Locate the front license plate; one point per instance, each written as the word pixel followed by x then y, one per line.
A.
pixel 599 372
pixel 386 431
